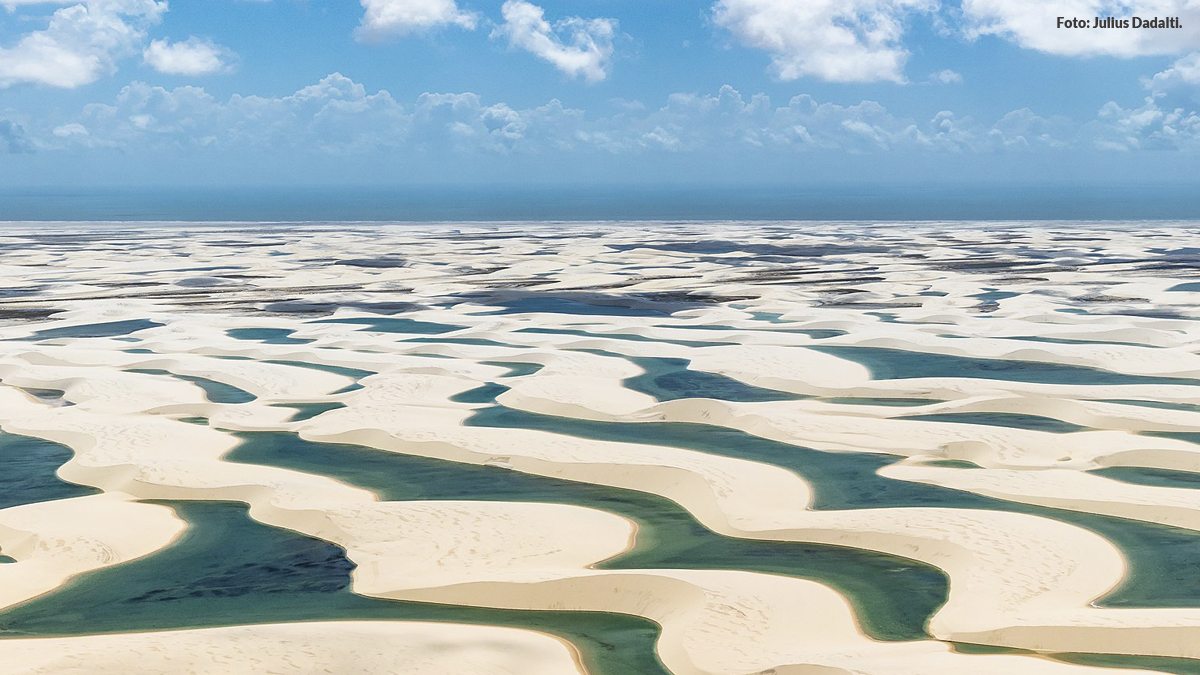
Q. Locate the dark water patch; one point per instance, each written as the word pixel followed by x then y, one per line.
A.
pixel 1190 287
pixel 575 303
pixel 214 391
pixel 6 560
pixel 1141 475
pixel 219 392
pixel 29 474
pixel 303 307
pixel 1164 664
pixel 374 263
pixel 307 411
pixel 54 396
pixel 24 292
pixel 128 284
pixel 633 337
pixel 896 402
pixel 994 295
pixel 869 305
pixel 1164 405
pixel 270 336
pixel 722 246
pixel 1002 419
pixel 899 364
pixel 952 464
pixel 684 298
pixel 990 299
pixel 814 333
pixel 516 368
pixel 209 268
pixel 972 648
pixel 228 569
pixel 483 394
pixel 554 305
pixel 670 379
pixel 1147 314
pixel 479 342
pixel 383 324
pixel 203 282
pixel 1071 341
pixel 28 313
pixel 894 595
pixel 95 330
pixel 1160 556
pixel 820 334
pixel 353 373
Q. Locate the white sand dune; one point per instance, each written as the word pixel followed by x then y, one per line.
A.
pixel 358 646
pixel 1016 580
pixel 57 540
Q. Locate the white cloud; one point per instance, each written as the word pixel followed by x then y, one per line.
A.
pixel 946 77
pixel 836 40
pixel 1184 73
pixel 80 43
pixel 338 116
pixel 1146 127
pixel 193 56
pixel 13 4
pixel 1033 24
pixel 388 18
pixel 576 46
pixel 1023 128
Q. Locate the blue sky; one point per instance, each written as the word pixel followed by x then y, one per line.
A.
pixel 401 92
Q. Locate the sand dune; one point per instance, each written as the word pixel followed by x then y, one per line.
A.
pixel 1045 365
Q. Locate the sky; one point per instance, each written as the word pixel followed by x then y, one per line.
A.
pixel 137 93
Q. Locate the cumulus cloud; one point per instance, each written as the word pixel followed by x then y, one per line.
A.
pixel 1024 128
pixel 390 18
pixel 835 40
pixel 193 56
pixel 692 122
pixel 1149 126
pixel 576 46
pixel 13 138
pixel 80 43
pixel 1033 24
pixel 338 116
pixel 1184 73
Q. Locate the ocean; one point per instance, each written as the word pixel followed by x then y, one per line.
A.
pixel 592 203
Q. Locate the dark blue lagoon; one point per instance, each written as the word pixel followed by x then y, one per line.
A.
pixel 28 471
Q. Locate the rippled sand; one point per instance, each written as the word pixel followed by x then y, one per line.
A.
pixel 604 448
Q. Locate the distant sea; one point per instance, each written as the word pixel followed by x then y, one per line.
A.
pixel 591 203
